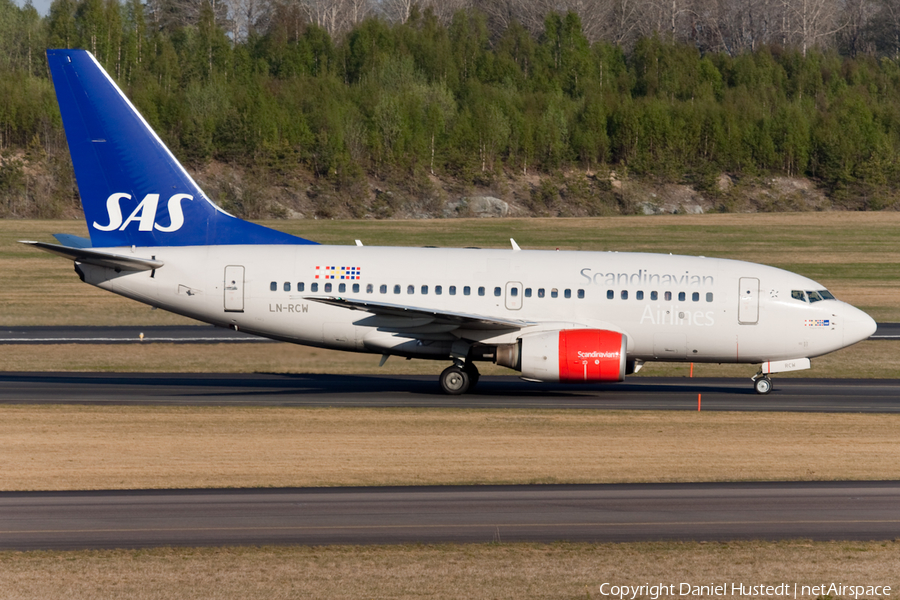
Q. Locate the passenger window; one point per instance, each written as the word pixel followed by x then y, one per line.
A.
pixel 624 294
pixel 438 289
pixel 287 286
pixel 681 296
pixel 610 294
pixel 370 288
pixel 383 289
pixel 396 289
pixel 327 287
pixel 695 297
pixel 452 290
pixel 410 289
pixel 342 287
pixel 513 291
pixel 567 293
pixel 668 296
pixel 709 296
pixel 273 286
pixel 654 296
pixel 554 293
pixel 424 289
pixel 314 287
pixel 481 290
pixel 300 287
pixel 467 291
pixel 540 292
pixel 639 295
pixel 355 288
pixel 580 294
pixel 528 292
pixel 498 291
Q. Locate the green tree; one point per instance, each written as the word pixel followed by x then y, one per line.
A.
pixel 62 32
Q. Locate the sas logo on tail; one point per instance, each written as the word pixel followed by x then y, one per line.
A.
pixel 144 214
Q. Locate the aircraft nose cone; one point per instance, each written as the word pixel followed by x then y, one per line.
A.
pixel 858 326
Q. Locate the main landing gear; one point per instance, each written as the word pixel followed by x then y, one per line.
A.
pixel 459 378
pixel 761 383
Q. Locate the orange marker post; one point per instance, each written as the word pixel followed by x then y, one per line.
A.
pixel 698 402
pixel 692 370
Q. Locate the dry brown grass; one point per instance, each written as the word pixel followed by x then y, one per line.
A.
pixel 506 571
pixel 72 448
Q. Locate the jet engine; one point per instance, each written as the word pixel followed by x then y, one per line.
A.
pixel 568 356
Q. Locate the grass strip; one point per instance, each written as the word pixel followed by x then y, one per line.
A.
pixel 82 448
pixel 496 571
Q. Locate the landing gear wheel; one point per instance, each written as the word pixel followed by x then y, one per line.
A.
pixel 763 385
pixel 455 381
pixel 472 371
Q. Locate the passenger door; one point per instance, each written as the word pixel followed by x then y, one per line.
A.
pixel 748 307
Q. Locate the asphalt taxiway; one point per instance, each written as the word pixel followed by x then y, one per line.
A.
pixel 275 389
pixel 125 334
pixel 587 513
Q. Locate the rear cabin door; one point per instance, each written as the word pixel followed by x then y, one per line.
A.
pixel 513 295
pixel 748 307
pixel 234 288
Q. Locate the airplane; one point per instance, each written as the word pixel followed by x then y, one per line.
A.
pixel 553 316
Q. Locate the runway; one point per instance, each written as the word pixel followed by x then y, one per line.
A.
pixel 586 513
pixel 269 389
pixel 190 334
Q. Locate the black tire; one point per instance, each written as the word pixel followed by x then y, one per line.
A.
pixel 455 381
pixel 472 371
pixel 763 385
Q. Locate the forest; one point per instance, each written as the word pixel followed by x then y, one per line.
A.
pixel 345 108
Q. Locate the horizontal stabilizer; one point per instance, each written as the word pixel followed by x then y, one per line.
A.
pixel 100 258
pixel 72 241
pixel 412 312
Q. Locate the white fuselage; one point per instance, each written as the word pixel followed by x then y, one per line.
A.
pixel 670 308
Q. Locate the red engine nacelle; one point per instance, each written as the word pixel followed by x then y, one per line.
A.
pixel 570 356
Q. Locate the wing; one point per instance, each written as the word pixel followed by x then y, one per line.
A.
pixel 101 258
pixel 418 317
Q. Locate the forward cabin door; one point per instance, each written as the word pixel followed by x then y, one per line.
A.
pixel 748 309
pixel 234 288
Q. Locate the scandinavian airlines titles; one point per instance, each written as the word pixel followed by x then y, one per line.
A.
pixel 646 277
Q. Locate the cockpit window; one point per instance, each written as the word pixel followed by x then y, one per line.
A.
pixel 811 296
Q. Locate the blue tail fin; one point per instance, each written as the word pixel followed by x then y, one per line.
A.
pixel 133 191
